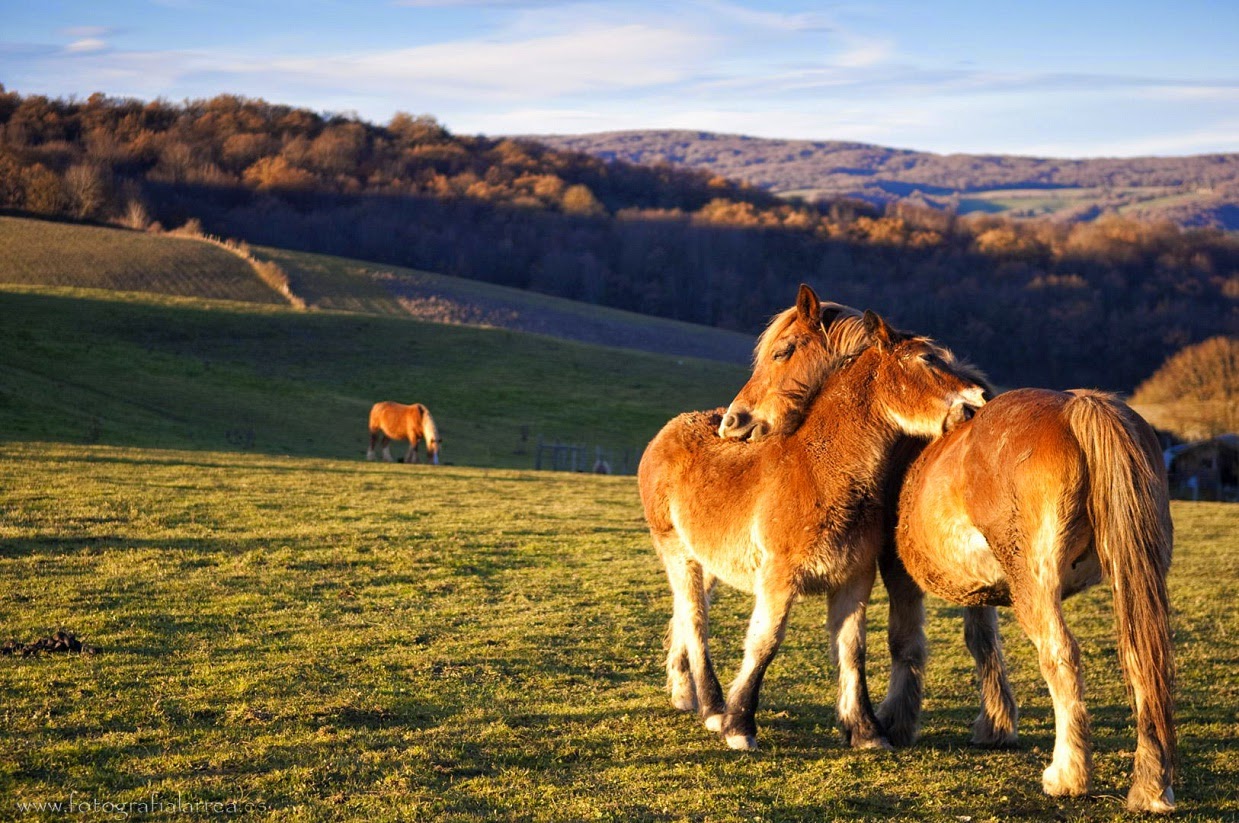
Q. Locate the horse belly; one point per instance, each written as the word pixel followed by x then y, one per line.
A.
pixel 953 560
pixel 731 554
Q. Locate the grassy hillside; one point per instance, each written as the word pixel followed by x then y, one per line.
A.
pixel 317 639
pixel 339 283
pixel 99 367
pixel 43 252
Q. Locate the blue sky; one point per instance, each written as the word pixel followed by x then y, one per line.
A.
pixel 1048 78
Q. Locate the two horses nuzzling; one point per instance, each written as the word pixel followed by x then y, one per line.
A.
pixel 1021 501
pixel 792 515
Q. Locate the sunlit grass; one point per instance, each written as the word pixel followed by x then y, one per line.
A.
pixel 48 253
pixel 331 639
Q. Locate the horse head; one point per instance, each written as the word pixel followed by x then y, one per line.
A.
pixel 799 349
pixel 918 384
pixel 795 353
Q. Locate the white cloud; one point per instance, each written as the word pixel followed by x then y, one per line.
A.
pixel 86 45
pixel 603 59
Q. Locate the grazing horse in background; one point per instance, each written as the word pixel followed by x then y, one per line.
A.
pixel 1024 504
pixel 396 421
pixel 794 515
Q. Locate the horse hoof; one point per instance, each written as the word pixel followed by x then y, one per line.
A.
pixel 872 743
pixel 684 702
pixel 714 723
pixel 994 740
pixel 1140 801
pixel 1057 784
pixel 741 742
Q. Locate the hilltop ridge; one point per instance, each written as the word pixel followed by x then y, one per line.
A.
pixel 1197 190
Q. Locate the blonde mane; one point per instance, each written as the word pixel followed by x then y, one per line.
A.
pixel 429 430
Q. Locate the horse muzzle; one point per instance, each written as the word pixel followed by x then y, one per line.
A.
pixel 741 425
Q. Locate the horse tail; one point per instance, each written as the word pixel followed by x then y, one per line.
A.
pixel 1129 507
pixel 430 432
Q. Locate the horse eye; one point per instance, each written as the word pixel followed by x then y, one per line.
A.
pixel 784 353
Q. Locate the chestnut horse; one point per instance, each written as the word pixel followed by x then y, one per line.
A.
pixel 1024 504
pixel 801 515
pixel 396 421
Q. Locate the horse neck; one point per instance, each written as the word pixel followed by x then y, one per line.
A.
pixel 845 420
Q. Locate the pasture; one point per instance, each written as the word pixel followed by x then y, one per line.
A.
pixel 47 253
pixel 325 639
pixel 95 366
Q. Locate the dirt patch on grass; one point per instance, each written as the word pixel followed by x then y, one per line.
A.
pixel 61 641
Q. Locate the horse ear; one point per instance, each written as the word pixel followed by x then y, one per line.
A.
pixel 879 332
pixel 808 306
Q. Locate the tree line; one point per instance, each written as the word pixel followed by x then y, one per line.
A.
pixel 1034 303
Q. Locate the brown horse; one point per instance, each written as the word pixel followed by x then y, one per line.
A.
pixel 396 421
pixel 1025 504
pixel 1028 503
pixel 801 515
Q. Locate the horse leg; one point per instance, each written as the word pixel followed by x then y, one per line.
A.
pixel 1040 614
pixel 374 436
pixel 846 619
pixel 773 603
pixel 387 449
pixel 690 673
pixel 900 712
pixel 411 455
pixel 996 724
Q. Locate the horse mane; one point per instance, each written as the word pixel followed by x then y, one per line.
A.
pixel 842 326
pixel 845 328
pixel 429 430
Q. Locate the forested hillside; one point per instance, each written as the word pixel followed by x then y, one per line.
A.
pixel 1200 190
pixel 1033 302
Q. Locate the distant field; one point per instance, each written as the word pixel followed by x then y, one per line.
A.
pixel 42 252
pixel 339 283
pixel 318 639
pixel 102 367
pixel 48 253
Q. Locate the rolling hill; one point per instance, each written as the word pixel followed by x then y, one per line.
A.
pixel 1191 191
pixel 168 368
pixel 41 252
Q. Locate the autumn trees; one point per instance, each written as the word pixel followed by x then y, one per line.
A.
pixel 1033 302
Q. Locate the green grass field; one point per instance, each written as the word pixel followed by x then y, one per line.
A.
pixel 286 629
pixel 138 370
pixel 320 639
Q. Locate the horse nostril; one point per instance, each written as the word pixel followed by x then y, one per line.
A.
pixel 729 420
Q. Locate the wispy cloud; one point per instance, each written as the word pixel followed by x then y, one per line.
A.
pixel 598 59
pixel 768 20
pixel 86 45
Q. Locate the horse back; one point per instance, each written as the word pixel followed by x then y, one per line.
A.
pixel 389 417
pixel 976 498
